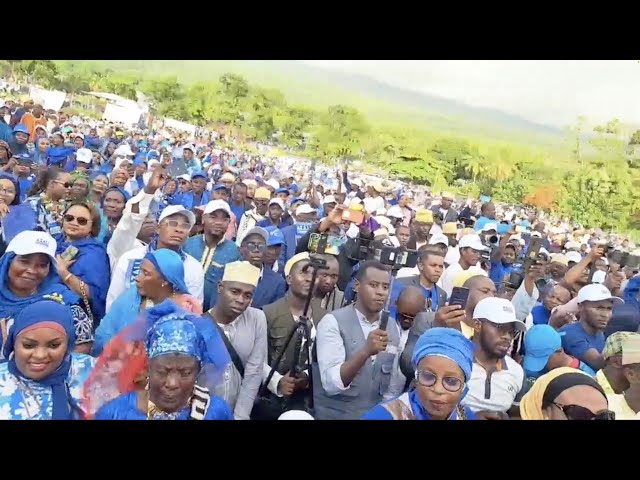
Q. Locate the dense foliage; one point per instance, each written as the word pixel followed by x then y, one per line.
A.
pixel 594 182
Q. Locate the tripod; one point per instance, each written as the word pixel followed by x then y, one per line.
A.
pixel 302 332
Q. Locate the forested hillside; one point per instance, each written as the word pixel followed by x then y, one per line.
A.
pixel 595 181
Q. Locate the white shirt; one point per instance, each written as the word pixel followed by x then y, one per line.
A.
pixel 452 256
pixel 398 380
pixel 450 274
pixel 372 205
pixel 124 237
pixel 498 392
pixel 121 277
pixel 331 352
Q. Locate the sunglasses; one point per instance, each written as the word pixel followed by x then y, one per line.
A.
pixel 178 224
pixel 429 379
pixel 255 247
pixel 80 220
pixel 576 412
pixel 64 184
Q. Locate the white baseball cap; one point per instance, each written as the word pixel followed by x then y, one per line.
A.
pixel 184 176
pixel 573 257
pixel 395 212
pixel 277 201
pixel 497 310
pixel 28 242
pixel 329 199
pixel 490 226
pixel 84 155
pixel 272 182
pixel 571 245
pixel 174 210
pixel 214 205
pixel 596 292
pixel 295 415
pixel 439 238
pixel 124 151
pixel 305 208
pixel 472 241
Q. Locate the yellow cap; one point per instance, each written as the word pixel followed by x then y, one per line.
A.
pixel 631 350
pixel 241 272
pixel 559 258
pixel 356 207
pixel 423 215
pixel 450 228
pixel 262 193
pixel 293 260
pixel 458 280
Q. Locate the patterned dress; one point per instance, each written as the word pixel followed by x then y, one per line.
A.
pixel 24 399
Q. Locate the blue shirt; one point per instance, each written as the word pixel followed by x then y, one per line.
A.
pixel 499 271
pixel 576 341
pixel 540 315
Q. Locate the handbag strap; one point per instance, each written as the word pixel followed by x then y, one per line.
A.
pixel 235 358
pixel 87 305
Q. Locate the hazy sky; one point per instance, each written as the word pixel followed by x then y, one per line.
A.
pixel 553 92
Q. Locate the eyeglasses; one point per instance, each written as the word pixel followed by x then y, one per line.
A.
pixel 503 327
pixel 576 412
pixel 429 379
pixel 178 224
pixel 402 316
pixel 255 247
pixel 7 191
pixel 64 184
pixel 80 220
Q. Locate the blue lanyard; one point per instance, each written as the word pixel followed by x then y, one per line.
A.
pixel 432 295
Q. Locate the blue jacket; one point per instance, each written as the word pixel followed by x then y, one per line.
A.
pixel 290 243
pixel 225 252
pixel 187 199
pixel 271 287
pixel 6 133
pixel 630 294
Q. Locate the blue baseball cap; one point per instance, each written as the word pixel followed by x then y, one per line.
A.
pixel 152 154
pixel 294 188
pixel 198 174
pixel 296 200
pixel 275 236
pixel 540 342
pixel 282 190
pixel 21 128
pixel 220 187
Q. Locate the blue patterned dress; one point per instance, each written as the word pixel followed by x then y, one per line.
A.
pixel 25 399
pixel 125 407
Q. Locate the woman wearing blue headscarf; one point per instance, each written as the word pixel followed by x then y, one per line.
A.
pixel 28 272
pixel 181 348
pixel 161 277
pixel 443 358
pixel 112 205
pixel 88 272
pixel 43 379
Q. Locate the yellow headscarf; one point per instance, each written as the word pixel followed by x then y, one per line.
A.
pixel 531 403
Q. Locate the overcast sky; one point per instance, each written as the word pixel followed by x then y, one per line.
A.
pixel 552 92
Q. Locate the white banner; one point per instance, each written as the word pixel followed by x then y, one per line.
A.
pixel 49 99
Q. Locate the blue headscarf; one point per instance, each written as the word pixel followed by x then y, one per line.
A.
pixel 170 329
pixel 170 266
pixel 442 342
pixel 92 265
pixel 10 304
pixel 120 190
pixel 46 311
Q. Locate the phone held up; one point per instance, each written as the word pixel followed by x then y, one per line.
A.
pixel 70 253
pixel 459 296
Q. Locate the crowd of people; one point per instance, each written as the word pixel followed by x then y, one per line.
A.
pixel 148 275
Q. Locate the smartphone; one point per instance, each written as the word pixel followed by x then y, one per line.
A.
pixel 535 244
pixel 329 244
pixel 70 253
pixel 459 296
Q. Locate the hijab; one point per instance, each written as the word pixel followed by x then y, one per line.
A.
pixel 550 385
pixel 11 304
pixel 447 343
pixel 170 266
pixel 46 314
